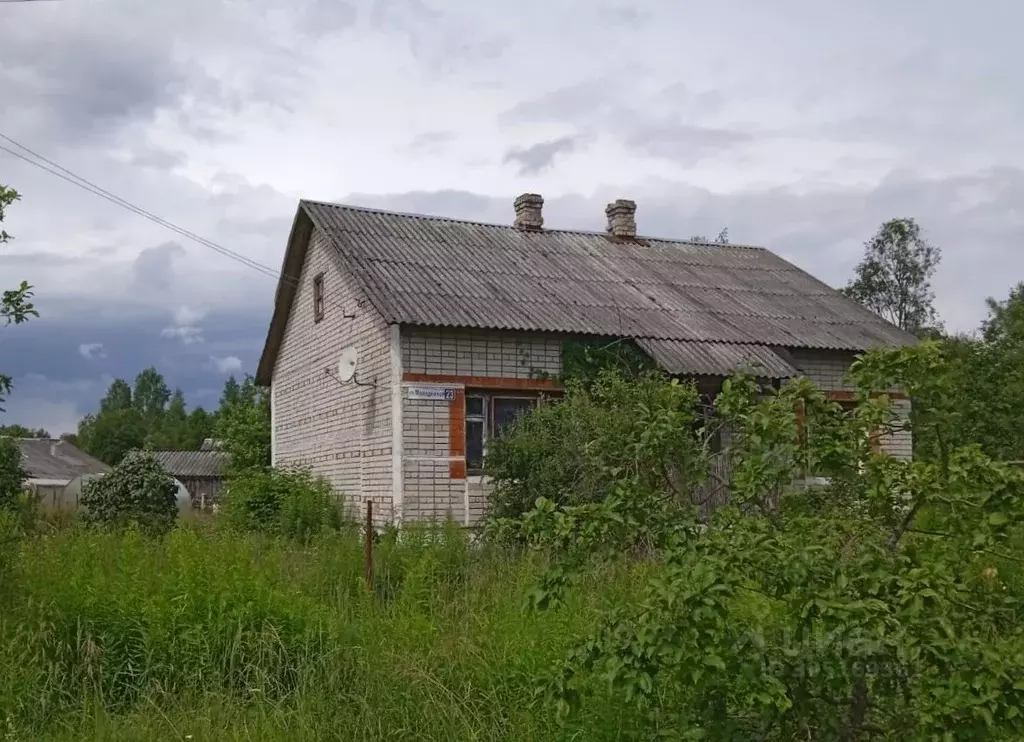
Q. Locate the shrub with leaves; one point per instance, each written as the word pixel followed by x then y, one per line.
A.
pixel 137 491
pixel 575 451
pixel 12 474
pixel 877 607
pixel 287 502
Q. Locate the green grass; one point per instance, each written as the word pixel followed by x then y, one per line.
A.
pixel 211 635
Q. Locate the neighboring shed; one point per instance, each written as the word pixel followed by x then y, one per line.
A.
pixel 200 472
pixel 56 470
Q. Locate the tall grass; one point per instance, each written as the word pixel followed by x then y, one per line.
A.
pixel 211 635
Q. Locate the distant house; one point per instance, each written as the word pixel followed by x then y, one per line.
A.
pixel 201 473
pixel 401 344
pixel 56 470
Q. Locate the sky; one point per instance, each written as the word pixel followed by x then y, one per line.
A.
pixel 801 125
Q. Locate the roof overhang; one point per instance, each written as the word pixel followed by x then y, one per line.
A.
pixel 699 358
pixel 287 286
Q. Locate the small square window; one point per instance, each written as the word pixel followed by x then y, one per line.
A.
pixel 474 406
pixel 318 297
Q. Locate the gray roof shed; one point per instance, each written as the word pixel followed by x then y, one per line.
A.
pixel 57 460
pixel 210 464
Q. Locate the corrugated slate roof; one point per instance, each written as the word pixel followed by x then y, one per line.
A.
pixel 193 463
pixel 426 270
pixel 719 359
pixel 52 458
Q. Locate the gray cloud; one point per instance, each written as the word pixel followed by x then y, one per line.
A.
pixel 158 159
pixel 90 82
pixel 539 157
pixel 685 145
pixel 577 103
pixel 153 269
pixel 431 142
pixel 92 351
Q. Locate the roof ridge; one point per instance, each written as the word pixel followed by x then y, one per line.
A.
pixel 589 233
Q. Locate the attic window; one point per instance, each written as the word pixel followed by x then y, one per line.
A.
pixel 318 297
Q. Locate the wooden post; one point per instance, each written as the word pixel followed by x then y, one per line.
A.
pixel 369 544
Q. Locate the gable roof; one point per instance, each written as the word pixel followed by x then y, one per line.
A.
pixel 58 460
pixel 193 463
pixel 427 270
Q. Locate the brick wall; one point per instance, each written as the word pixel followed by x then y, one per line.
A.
pixel 828 369
pixel 430 491
pixel 509 355
pixel 341 432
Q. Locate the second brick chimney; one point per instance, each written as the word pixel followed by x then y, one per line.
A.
pixel 528 212
pixel 622 218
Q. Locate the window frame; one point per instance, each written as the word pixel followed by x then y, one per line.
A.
pixel 486 417
pixel 318 298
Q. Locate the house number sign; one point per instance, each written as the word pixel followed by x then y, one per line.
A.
pixel 437 393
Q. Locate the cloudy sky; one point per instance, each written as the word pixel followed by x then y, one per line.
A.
pixel 799 124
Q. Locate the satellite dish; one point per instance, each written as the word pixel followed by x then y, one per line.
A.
pixel 347 364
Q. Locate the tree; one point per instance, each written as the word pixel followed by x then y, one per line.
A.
pixel 243 425
pixel 12 473
pixel 111 434
pixel 119 396
pixel 150 394
pixel 200 425
pixel 893 279
pixel 1005 322
pixel 20 431
pixel 721 239
pixel 15 304
pixel 884 605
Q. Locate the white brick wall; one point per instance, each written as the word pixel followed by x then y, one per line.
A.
pixel 511 355
pixel 428 490
pixel 827 369
pixel 341 432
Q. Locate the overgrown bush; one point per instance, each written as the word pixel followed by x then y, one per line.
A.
pixel 882 606
pixel 137 491
pixel 12 474
pixel 287 502
pixel 577 449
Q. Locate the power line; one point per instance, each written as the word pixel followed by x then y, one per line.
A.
pixel 64 174
pixel 77 180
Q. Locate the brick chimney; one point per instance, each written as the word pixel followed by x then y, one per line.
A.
pixel 622 218
pixel 528 212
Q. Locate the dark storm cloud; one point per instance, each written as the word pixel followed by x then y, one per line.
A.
pixel 63 362
pixel 539 157
pixel 87 82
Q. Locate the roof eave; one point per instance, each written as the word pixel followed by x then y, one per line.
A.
pixel 287 286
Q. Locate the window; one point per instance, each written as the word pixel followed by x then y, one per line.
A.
pixel 318 297
pixel 487 417
pixel 507 410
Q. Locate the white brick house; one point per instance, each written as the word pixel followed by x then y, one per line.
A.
pixel 459 326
